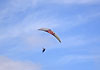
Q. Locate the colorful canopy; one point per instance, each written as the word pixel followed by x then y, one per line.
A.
pixel 50 32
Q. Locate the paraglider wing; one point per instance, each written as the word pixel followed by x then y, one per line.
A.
pixel 57 38
pixel 50 32
pixel 44 29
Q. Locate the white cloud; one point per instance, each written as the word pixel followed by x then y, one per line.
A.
pixel 8 64
pixel 28 25
pixel 22 5
pixel 14 6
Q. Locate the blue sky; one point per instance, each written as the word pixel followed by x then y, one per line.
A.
pixel 77 23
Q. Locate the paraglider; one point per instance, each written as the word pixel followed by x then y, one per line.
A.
pixel 43 49
pixel 50 32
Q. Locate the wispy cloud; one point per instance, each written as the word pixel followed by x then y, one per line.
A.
pixel 27 25
pixel 8 64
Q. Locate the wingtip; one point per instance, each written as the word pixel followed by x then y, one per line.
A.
pixel 38 29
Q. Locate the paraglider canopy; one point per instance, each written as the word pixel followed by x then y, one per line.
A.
pixel 50 32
